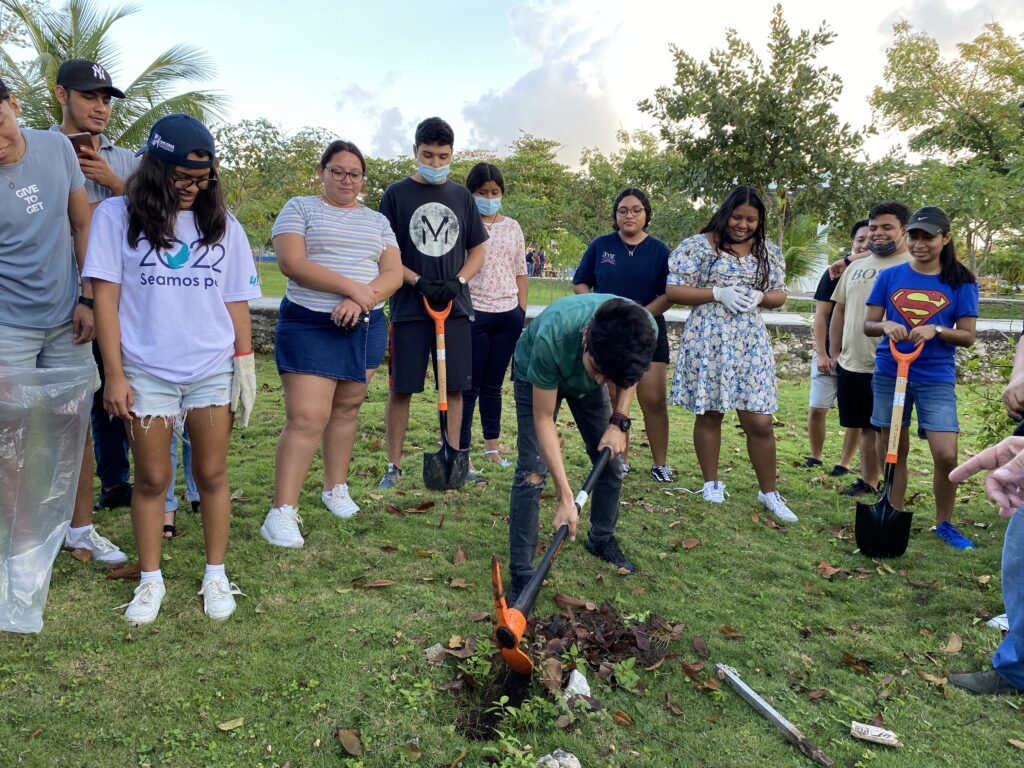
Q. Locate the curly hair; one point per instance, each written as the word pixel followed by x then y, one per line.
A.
pixel 621 339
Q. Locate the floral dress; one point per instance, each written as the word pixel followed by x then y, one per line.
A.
pixel 725 360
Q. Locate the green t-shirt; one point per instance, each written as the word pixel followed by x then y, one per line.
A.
pixel 549 354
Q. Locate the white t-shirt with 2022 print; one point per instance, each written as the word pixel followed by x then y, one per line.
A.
pixel 174 324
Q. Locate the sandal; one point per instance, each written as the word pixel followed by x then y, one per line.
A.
pixel 500 462
pixel 169 530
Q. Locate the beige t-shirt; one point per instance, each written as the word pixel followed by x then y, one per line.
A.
pixel 853 289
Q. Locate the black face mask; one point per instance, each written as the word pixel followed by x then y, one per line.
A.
pixel 887 249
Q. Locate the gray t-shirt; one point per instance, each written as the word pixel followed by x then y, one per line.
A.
pixel 38 274
pixel 121 160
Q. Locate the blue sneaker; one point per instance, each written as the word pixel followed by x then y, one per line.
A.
pixel 950 534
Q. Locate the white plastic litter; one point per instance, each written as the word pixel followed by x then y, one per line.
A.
pixel 577 685
pixel 43 420
pixel 999 622
pixel 559 759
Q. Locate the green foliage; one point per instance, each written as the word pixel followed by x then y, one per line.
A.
pixel 735 119
pixel 804 245
pixel 12 31
pixel 80 30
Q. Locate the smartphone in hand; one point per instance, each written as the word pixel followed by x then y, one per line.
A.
pixel 80 140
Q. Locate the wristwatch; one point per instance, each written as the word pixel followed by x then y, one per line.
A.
pixel 621 421
pixel 939 329
pixel 461 279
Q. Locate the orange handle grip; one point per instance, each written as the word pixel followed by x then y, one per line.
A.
pixel 903 361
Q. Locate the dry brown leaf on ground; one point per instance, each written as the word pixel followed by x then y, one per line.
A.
pixel 673 708
pixel 458 584
pixel 818 694
pixel 729 633
pixel 477 616
pixel 828 571
pixel 230 725
pixel 351 740
pixel 1016 743
pixel 954 644
pixel 458 759
pixel 551 675
pixel 378 583
pixel 857 665
pixel 622 718
pixel 413 751
pixel 700 646
pixel 928 678
pixel 126 572
pixel 459 556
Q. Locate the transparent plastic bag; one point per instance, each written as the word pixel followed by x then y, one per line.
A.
pixel 44 415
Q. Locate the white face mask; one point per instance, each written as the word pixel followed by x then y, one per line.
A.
pixel 434 175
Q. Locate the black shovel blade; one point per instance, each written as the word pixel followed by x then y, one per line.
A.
pixel 447 469
pixel 882 530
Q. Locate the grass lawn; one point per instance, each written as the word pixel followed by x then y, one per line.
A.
pixel 313 647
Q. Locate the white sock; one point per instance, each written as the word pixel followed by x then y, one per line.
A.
pixel 78 536
pixel 145 576
pixel 215 570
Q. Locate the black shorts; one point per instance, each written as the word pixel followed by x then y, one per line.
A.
pixel 411 344
pixel 855 399
pixel 661 348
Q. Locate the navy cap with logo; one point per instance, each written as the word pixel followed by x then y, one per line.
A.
pixel 4 93
pixel 85 75
pixel 931 219
pixel 173 137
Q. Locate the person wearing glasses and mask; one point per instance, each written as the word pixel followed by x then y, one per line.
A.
pixel 173 275
pixel 341 260
pixel 629 262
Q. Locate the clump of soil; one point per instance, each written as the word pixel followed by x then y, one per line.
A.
pixel 601 639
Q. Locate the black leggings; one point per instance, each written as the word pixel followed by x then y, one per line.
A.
pixel 494 340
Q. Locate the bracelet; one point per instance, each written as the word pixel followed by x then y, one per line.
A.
pixel 243 354
pixel 85 302
pixel 846 259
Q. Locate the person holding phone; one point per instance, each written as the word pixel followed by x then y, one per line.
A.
pixel 86 93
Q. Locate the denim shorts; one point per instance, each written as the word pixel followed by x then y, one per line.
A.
pixel 934 401
pixel 824 386
pixel 158 398
pixel 45 348
pixel 310 343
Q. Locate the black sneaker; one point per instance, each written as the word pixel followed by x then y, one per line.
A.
pixel 662 474
pixel 982 683
pixel 839 470
pixel 609 551
pixel 859 488
pixel 118 496
pixel 195 507
pixel 810 462
pixel 391 477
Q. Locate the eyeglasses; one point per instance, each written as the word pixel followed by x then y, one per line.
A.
pixel 339 174
pixel 636 210
pixel 181 183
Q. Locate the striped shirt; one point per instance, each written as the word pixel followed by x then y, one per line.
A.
pixel 348 241
pixel 121 160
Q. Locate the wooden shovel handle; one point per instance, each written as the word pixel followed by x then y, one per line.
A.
pixel 903 361
pixel 439 316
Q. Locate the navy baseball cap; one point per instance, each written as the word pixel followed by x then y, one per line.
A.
pixel 173 137
pixel 4 93
pixel 85 75
pixel 931 219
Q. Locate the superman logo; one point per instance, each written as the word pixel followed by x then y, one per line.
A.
pixel 917 306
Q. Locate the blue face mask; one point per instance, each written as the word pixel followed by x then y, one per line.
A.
pixel 488 206
pixel 434 175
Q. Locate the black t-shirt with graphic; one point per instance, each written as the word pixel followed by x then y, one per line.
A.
pixel 436 226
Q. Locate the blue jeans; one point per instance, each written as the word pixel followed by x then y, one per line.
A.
pixel 109 439
pixel 591 413
pixel 1008 660
pixel 494 337
pixel 191 492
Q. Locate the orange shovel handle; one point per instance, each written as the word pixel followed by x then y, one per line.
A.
pixel 903 361
pixel 439 316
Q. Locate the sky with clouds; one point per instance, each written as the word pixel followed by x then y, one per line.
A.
pixel 568 70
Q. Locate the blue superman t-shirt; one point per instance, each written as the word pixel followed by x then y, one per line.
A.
pixel 914 299
pixel 608 266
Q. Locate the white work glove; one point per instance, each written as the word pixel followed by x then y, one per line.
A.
pixel 243 387
pixel 733 299
pixel 755 298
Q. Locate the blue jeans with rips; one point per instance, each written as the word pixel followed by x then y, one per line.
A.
pixel 591 413
pixel 1008 659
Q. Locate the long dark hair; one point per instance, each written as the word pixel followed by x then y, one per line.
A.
pixel 639 195
pixel 153 206
pixel 951 271
pixel 742 195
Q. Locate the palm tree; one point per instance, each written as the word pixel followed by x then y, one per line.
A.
pixel 80 30
pixel 806 248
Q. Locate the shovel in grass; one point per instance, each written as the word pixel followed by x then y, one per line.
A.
pixel 882 530
pixel 448 467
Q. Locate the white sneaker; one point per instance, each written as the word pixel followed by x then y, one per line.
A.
pixel 777 506
pixel 339 502
pixel 714 491
pixel 218 596
pixel 145 605
pixel 102 549
pixel 281 527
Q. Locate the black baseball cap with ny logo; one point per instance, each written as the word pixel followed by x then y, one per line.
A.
pixel 85 75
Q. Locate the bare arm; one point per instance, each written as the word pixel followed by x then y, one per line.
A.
pixel 835 330
pixel 581 288
pixel 117 393
pixel 389 277
pixel 79 215
pixel 1013 395
pixel 474 262
pixel 523 289
pixel 685 294
pixel 242 323
pixel 773 299
pixel 659 306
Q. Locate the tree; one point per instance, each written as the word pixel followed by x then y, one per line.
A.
pixel 734 120
pixel 81 30
pixel 963 114
pixel 12 31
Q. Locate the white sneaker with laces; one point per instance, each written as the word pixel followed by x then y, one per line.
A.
pixel 102 549
pixel 714 491
pixel 339 501
pixel 777 506
pixel 145 604
pixel 218 596
pixel 281 527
